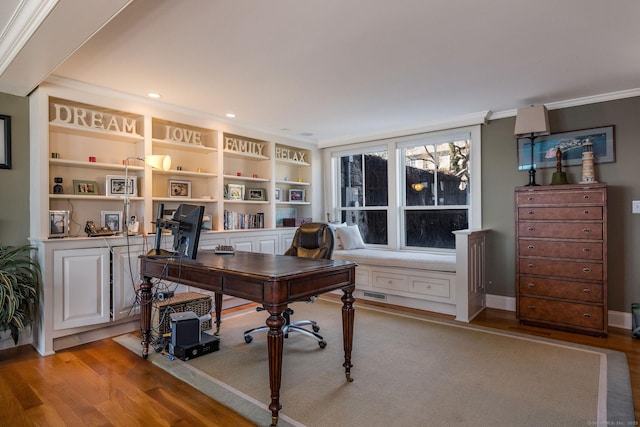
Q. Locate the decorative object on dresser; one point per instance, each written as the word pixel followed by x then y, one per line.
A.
pixel 559 177
pixel 561 257
pixel 588 175
pixel 532 122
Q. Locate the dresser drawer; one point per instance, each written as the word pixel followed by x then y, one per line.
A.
pixel 564 289
pixel 559 197
pixel 561 230
pixel 563 313
pixel 560 249
pixel 385 280
pixel 565 269
pixel 562 213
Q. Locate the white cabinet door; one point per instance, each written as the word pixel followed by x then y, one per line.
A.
pixel 81 288
pixel 126 276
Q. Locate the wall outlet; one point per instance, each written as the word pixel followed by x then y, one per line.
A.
pixel 635 207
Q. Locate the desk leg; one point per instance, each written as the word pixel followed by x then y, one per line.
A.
pixel 275 339
pixel 145 314
pixel 217 300
pixel 348 313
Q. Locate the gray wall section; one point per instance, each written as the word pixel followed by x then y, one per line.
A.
pixel 500 177
pixel 14 188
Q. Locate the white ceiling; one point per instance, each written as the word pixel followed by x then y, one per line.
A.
pixel 350 70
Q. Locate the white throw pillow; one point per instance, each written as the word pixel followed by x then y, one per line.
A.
pixel 337 244
pixel 350 237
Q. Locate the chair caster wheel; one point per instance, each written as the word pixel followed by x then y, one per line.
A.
pixel 316 328
pixel 322 344
pixel 248 339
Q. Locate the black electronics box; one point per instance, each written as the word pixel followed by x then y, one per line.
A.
pixel 208 344
pixel 294 222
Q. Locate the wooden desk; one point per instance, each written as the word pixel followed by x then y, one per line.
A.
pixel 271 280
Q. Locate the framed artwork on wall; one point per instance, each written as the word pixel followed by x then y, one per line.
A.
pixel 570 143
pixel 5 142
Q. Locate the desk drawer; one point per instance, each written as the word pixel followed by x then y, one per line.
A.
pixel 561 230
pixel 562 213
pixel 386 280
pixel 564 289
pixel 560 312
pixel 560 249
pixel 568 269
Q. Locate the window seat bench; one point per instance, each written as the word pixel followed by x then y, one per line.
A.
pixel 448 283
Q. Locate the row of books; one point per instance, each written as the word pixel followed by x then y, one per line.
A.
pixel 240 221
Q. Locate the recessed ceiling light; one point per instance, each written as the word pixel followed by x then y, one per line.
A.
pixel 231 115
pixel 153 95
pixel 306 134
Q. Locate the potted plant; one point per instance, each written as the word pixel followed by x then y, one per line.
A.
pixel 19 284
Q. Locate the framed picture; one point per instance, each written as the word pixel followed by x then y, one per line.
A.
pixel 256 194
pixel 116 185
pixel 178 188
pixel 570 143
pixel 5 142
pixel 111 219
pixel 235 192
pixel 296 195
pixel 278 195
pixel 85 188
pixel 59 224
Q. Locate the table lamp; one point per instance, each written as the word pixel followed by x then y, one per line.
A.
pixel 532 122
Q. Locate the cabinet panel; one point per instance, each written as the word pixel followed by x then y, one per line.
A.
pixel 81 288
pixel 126 276
pixel 430 286
pixel 387 280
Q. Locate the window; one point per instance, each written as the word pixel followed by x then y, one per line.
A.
pixel 411 192
pixel 436 192
pixel 364 196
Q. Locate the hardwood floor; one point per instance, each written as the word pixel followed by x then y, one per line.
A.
pixel 104 384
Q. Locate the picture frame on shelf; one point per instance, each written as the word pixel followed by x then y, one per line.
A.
pixel 278 195
pixel 235 191
pixel 116 185
pixel 256 194
pixel 296 195
pixel 85 188
pixel 5 142
pixel 58 224
pixel 179 188
pixel 111 219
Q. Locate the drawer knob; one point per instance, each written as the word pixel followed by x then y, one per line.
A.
pixel 586 230
pixel 586 291
pixel 587 315
pixel 532 307
pixel 587 212
pixel 530 212
pixel 531 247
pixel 586 270
pixel 531 228
pixel 531 265
pixel 586 197
pixel 586 249
pixel 531 285
pixel 530 198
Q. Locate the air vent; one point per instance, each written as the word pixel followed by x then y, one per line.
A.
pixel 375 295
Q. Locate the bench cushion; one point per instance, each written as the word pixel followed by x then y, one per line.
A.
pixel 400 259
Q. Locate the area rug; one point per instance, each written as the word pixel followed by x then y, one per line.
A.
pixel 410 370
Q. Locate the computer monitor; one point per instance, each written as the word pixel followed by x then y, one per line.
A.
pixel 185 240
pixel 185 226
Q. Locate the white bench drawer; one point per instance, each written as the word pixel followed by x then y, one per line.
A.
pixel 430 286
pixel 386 280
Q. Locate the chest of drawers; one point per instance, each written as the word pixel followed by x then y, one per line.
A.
pixel 561 257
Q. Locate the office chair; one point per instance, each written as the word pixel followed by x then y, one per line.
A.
pixel 311 240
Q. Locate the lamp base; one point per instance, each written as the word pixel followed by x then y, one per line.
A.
pixel 532 178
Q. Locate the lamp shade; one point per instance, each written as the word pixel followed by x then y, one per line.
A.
pixel 158 161
pixel 532 120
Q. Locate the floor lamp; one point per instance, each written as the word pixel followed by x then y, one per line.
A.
pixel 532 122
pixel 156 161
